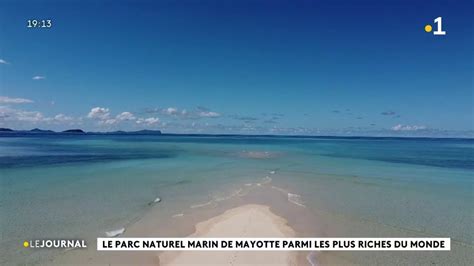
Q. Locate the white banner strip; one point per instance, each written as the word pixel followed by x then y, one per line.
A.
pixel 272 244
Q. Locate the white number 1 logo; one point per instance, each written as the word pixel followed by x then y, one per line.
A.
pixel 439 30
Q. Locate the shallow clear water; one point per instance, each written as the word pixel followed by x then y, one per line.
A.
pixel 63 186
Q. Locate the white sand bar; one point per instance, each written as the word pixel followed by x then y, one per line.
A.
pixel 245 221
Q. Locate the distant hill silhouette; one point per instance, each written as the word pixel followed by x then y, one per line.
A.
pixel 80 131
pixel 145 132
pixel 138 132
pixel 37 131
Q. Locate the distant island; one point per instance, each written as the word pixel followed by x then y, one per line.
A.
pixel 80 131
pixel 37 131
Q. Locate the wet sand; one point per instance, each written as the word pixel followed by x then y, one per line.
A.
pixel 246 221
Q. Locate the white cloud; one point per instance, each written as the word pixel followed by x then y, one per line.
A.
pixel 4 99
pixel 2 61
pixel 32 117
pixel 401 127
pixel 103 115
pixel 125 116
pixel 38 77
pixel 12 117
pixel 209 114
pixel 148 121
pixel 11 114
pixel 99 113
pixel 109 121
pixel 63 118
pixel 171 111
pixel 200 112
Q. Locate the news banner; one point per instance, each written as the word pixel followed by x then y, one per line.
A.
pixel 274 244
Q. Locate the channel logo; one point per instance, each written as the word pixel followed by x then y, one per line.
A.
pixel 55 243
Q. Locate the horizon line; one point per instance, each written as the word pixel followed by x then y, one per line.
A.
pixel 161 133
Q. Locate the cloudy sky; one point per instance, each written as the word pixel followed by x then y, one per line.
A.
pixel 252 67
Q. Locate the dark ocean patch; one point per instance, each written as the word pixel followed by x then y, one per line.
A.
pixel 459 163
pixel 203 139
pixel 47 160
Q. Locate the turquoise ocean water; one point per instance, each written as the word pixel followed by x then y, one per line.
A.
pixel 81 186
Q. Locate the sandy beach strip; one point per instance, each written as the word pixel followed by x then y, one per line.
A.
pixel 246 221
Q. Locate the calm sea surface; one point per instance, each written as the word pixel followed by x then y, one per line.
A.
pixel 70 186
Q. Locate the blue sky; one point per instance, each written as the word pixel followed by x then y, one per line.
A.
pixel 273 67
